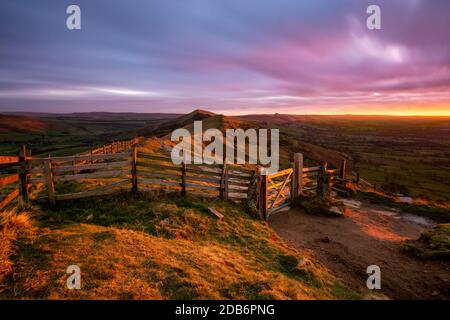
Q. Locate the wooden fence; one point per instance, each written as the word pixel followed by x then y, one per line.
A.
pixel 224 181
pixel 121 166
pixel 35 173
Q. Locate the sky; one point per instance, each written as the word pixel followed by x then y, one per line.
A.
pixel 226 56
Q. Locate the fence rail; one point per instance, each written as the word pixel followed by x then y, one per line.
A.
pixel 223 181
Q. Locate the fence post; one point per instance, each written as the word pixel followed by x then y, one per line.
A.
pixel 183 178
pixel 357 177
pixel 224 182
pixel 23 176
pixel 297 181
pixel 343 169
pixel 323 182
pixel 263 196
pixel 29 167
pixel 225 185
pixel 49 180
pixel 134 181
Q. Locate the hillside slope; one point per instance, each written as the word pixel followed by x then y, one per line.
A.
pixel 289 144
pixel 11 123
pixel 155 247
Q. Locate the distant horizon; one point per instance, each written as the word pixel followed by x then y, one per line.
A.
pixel 240 114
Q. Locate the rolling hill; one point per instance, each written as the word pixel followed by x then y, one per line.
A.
pixel 11 123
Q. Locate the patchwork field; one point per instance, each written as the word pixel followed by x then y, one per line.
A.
pixel 409 155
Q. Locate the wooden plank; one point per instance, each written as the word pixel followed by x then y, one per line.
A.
pixel 10 197
pixel 202 179
pixel 158 175
pixel 153 157
pixel 264 195
pixel 134 172
pixel 216 213
pixel 276 185
pixel 103 190
pixel 23 176
pixel 239 173
pixel 8 160
pixel 310 169
pixel 83 158
pixel 203 172
pixel 236 183
pixel 183 179
pixel 297 179
pixel 202 187
pixel 95 166
pixel 237 189
pixel 234 195
pixel 157 166
pixel 284 198
pixel 159 182
pixel 49 181
pixel 238 167
pixel 236 176
pixel 205 168
pixel 224 182
pixel 281 189
pixel 213 164
pixel 343 170
pixel 281 173
pixel 9 179
pixel 94 175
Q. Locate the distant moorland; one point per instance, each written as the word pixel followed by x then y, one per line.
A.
pixel 408 155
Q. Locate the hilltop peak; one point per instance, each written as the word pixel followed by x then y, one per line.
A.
pixel 202 113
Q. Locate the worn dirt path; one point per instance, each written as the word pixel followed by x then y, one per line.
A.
pixel 367 235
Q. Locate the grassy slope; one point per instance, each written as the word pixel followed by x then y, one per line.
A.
pixel 156 247
pixel 432 244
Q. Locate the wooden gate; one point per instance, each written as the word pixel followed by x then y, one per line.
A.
pixel 275 191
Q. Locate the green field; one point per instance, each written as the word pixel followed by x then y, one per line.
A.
pixel 71 135
pixel 400 155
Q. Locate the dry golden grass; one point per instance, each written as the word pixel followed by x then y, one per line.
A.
pixel 132 265
pixel 160 249
pixel 11 225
